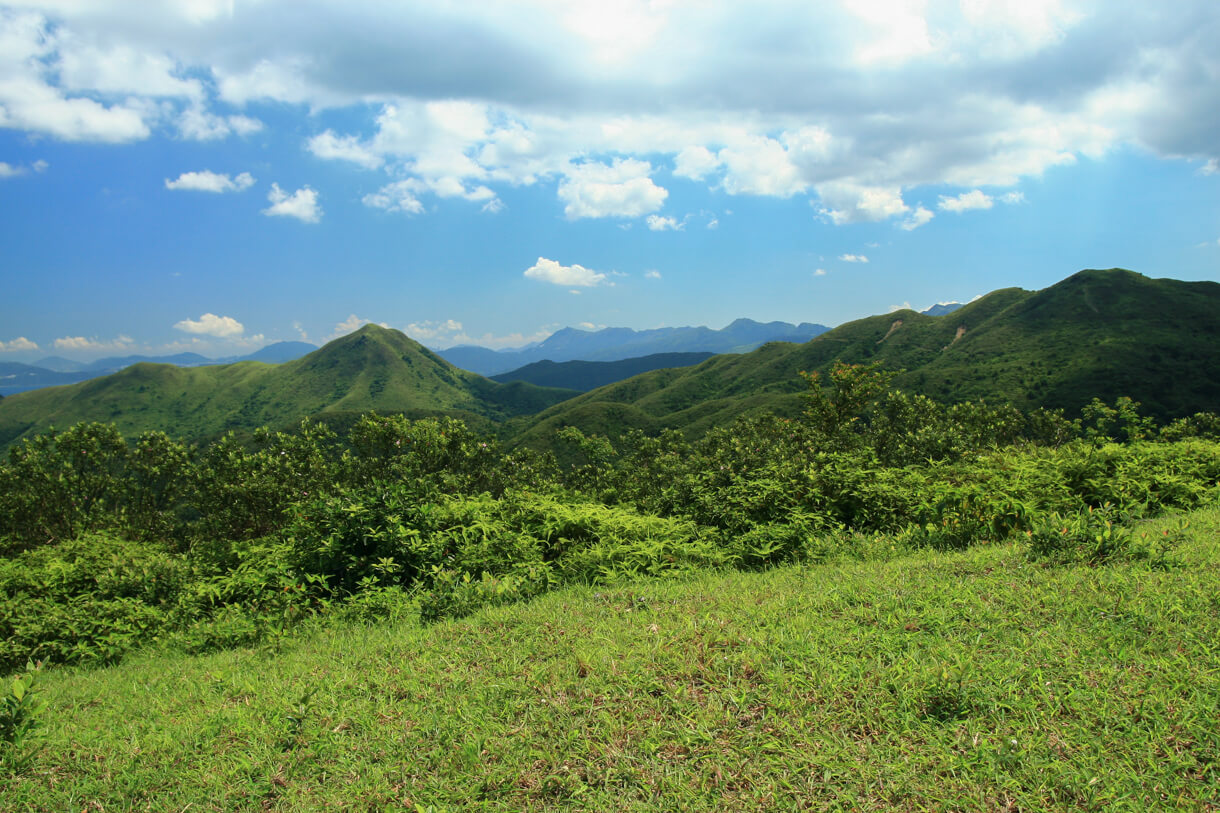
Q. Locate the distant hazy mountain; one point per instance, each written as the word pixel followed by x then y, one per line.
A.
pixel 588 375
pixel 59 364
pixel 942 308
pixel 371 369
pixel 16 377
pixel 54 370
pixel 618 343
pixel 277 353
pixel 112 363
pixel 1099 334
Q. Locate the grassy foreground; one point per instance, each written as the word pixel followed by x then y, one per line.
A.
pixel 973 681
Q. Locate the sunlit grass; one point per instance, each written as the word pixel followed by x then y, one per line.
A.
pixel 975 680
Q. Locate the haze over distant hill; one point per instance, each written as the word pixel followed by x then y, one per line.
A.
pixel 587 375
pixel 371 369
pixel 1096 334
pixel 617 343
pixel 55 370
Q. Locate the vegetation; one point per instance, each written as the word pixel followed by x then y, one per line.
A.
pixel 878 600
pixel 588 375
pixel 371 369
pixel 1097 334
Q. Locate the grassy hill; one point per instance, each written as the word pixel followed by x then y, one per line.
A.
pixel 1096 334
pixel 373 368
pixel 588 375
pixel 964 681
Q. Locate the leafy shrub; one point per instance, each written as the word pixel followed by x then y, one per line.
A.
pixel 1093 536
pixel 20 708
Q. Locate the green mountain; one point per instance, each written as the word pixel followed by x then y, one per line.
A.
pixel 373 368
pixel 587 375
pixel 1096 334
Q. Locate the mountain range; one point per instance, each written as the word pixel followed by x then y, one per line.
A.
pixel 372 369
pixel 618 343
pixel 588 375
pixel 1099 334
pixel 55 370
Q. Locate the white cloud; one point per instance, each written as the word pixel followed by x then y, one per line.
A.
pixel 506 341
pixel 301 204
pixel 819 272
pixel 437 332
pixel 82 343
pixel 19 343
pixel 208 181
pixel 1212 167
pixel 848 202
pixel 9 171
pixel 212 325
pixel 695 163
pixel 40 166
pixel 350 325
pixel 659 223
pixel 652 273
pixel 1012 198
pixel 853 258
pixel 966 201
pixel 198 124
pixel 550 271
pixel 885 96
pixel 345 148
pixel 621 189
pixel 917 218
pixel 905 306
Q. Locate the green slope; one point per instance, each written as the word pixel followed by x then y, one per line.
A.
pixel 1096 334
pixel 373 368
pixel 588 375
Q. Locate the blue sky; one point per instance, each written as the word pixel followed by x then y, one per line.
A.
pixel 215 175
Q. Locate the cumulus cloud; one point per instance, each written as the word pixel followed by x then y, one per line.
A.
pixel 847 202
pixel 301 204
pixel 550 271
pixel 621 189
pixel 917 218
pixel 659 223
pixel 437 332
pixel 197 124
pixel 966 201
pixel 884 97
pixel 652 274
pixel 350 325
pixel 208 181
pixel 853 258
pixel 82 343
pixel 345 148
pixel 819 272
pixel 222 327
pixel 19 343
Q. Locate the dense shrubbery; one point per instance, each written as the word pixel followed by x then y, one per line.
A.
pixel 108 544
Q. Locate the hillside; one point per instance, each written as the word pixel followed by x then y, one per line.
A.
pixel 935 681
pixel 54 370
pixel 588 375
pixel 371 369
pixel 618 343
pixel 1096 334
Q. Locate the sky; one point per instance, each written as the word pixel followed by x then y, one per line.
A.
pixel 216 175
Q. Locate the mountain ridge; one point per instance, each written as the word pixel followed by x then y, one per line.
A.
pixel 619 343
pixel 373 368
pixel 1097 333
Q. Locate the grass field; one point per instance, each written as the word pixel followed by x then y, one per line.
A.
pixel 966 681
